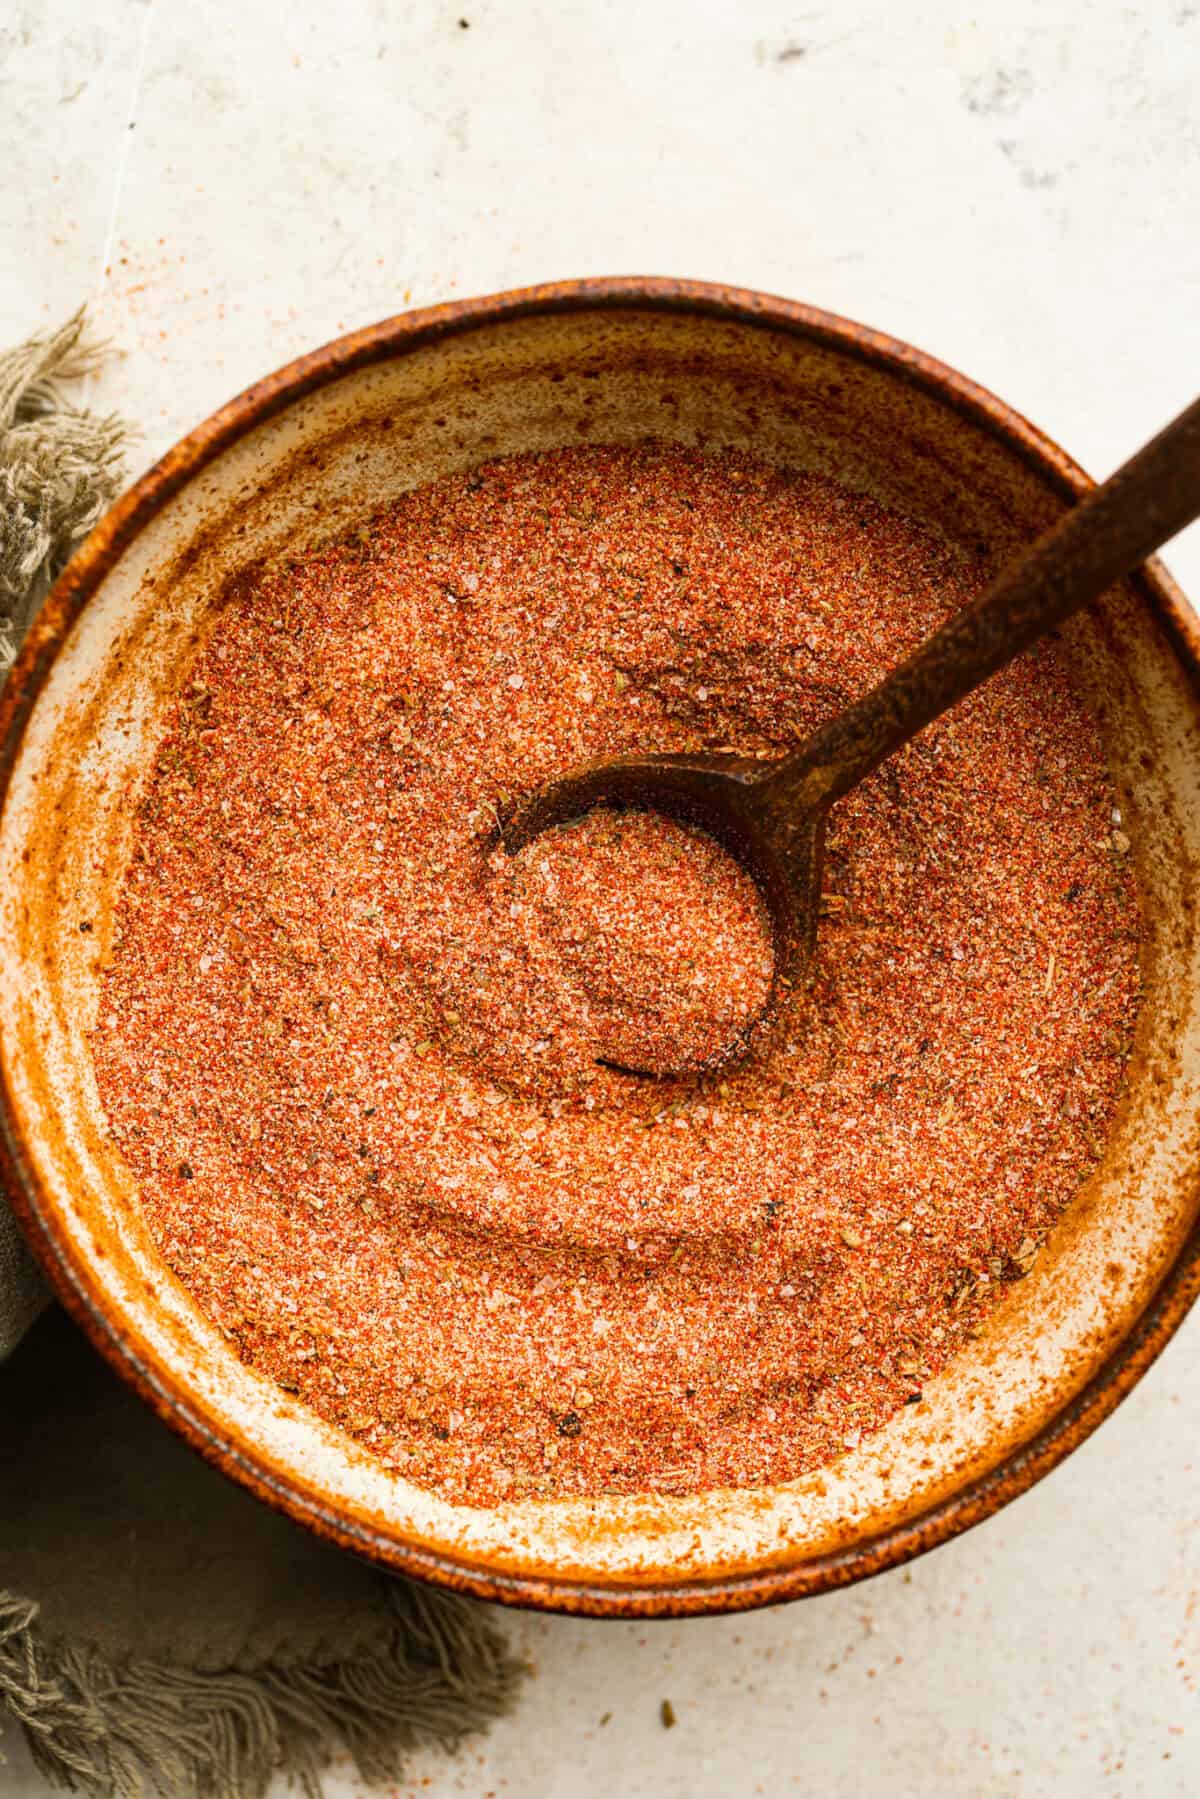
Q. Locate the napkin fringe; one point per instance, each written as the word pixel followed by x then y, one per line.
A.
pixel 125 1732
pixel 60 469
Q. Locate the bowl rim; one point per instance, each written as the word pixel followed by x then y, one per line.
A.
pixel 399 336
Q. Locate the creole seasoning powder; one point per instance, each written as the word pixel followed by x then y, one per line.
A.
pixel 354 1054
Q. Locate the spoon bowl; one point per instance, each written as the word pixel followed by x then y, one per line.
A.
pixel 728 796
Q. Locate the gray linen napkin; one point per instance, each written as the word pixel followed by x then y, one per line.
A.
pixel 160 1631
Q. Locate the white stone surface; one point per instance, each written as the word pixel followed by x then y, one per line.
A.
pixel 1016 188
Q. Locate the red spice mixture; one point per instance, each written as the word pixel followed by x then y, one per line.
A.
pixel 352 1052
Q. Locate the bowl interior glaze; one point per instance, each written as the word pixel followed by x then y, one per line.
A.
pixel 313 451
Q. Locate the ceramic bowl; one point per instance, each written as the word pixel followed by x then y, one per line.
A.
pixel 307 453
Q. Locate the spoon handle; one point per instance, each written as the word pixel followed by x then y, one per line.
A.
pixel 1106 535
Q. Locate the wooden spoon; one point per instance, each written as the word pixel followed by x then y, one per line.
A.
pixel 771 816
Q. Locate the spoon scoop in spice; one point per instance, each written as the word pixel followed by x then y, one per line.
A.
pixel 771 816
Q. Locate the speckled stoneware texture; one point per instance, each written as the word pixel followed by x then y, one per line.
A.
pixel 312 450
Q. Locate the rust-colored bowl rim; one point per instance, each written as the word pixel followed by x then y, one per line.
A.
pixel 400 336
